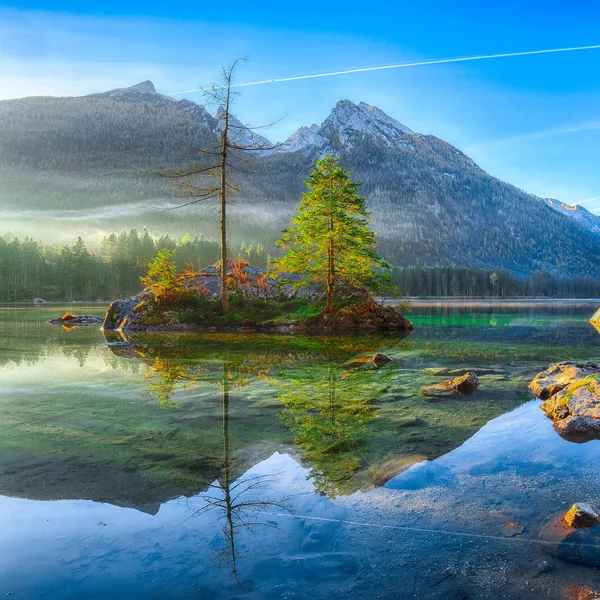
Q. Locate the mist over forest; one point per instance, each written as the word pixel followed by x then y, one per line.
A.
pixel 90 166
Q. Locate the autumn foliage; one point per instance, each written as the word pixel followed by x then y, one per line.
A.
pixel 167 285
pixel 246 283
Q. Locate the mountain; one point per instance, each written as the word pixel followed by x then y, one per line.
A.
pixel 241 135
pixel 303 140
pixel 144 91
pixel 432 204
pixel 346 123
pixel 578 213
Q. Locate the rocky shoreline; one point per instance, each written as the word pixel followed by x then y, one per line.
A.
pixel 121 317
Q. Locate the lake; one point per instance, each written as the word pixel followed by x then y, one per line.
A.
pixel 257 466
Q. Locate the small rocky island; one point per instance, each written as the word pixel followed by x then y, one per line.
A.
pixel 324 281
pixel 258 303
pixel 69 320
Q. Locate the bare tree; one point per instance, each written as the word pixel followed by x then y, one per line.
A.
pixel 242 501
pixel 210 178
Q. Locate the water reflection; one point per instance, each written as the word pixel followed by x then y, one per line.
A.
pixel 326 404
pixel 355 424
pixel 329 414
pixel 233 497
pixel 200 436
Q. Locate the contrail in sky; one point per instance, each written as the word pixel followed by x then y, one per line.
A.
pixel 439 61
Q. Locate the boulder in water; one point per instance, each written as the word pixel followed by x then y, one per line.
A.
pixel 466 384
pixel 582 514
pixel 570 544
pixel 452 388
pixel 595 320
pixel 571 394
pixel 560 375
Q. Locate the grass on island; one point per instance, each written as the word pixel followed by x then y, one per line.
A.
pixel 269 312
pixel 194 310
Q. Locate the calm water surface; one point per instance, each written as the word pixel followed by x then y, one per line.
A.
pixel 231 466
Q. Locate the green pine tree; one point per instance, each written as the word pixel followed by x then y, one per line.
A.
pixel 329 241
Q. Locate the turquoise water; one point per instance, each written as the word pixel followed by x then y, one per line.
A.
pixel 237 466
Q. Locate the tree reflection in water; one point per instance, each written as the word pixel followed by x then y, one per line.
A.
pixel 240 500
pixel 329 414
pixel 235 497
pixel 326 403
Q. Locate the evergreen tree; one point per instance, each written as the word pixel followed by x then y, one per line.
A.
pixel 329 241
pixel 162 278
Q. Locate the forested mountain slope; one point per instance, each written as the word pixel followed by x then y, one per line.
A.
pixel 431 203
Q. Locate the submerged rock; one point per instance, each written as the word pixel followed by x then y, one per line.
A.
pixel 571 394
pixel 569 544
pixel 440 390
pixel 437 371
pixel 393 466
pixel 70 320
pixel 372 360
pixel 479 371
pixel 452 388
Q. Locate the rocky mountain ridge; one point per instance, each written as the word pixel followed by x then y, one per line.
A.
pixel 578 213
pixel 431 203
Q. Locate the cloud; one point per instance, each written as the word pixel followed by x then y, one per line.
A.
pixel 592 204
pixel 538 135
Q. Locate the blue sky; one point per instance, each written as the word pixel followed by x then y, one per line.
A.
pixel 533 121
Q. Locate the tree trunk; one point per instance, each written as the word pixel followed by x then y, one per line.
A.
pixel 226 480
pixel 224 133
pixel 330 272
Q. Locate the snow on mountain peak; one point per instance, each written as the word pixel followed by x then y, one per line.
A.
pixel 347 119
pixel 578 213
pixel 302 139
